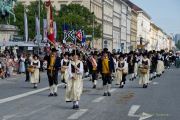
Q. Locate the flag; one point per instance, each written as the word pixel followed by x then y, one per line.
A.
pixel 25 26
pixel 45 30
pixel 50 28
pixel 37 25
pixel 55 30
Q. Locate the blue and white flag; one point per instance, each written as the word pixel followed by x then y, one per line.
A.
pixel 45 39
pixel 25 26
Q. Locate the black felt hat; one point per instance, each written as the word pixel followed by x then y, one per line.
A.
pixel 54 50
pixel 75 52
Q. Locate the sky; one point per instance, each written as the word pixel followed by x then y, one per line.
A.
pixel 164 13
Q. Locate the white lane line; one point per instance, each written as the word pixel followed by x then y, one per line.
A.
pixel 23 114
pixel 112 90
pixel 24 95
pixel 99 99
pixel 155 83
pixel 78 114
pixel 133 110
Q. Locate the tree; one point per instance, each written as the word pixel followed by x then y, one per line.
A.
pixel 75 15
pixel 79 17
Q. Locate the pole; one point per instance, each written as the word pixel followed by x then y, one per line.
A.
pixel 93 30
pixel 39 32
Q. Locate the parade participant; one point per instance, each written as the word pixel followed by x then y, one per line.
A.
pixel 27 64
pixel 106 68
pixel 144 71
pixel 34 76
pixel 131 63
pixel 64 68
pixel 121 71
pixel 75 83
pixel 159 69
pixel 136 58
pixel 153 65
pixel 53 66
pixel 93 68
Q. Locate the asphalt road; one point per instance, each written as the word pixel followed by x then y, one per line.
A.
pixel 160 101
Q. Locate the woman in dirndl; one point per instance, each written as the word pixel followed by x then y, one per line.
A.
pixel 121 71
pixel 160 65
pixel 75 83
pixel 64 68
pixel 144 68
pixel 35 76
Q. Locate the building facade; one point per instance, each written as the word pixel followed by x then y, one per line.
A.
pixel 134 30
pixel 153 36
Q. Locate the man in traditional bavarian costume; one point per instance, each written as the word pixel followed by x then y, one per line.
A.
pixel 106 68
pixel 53 66
pixel 131 63
pixel 121 71
pixel 75 83
pixel 64 68
pixel 92 64
pixel 144 71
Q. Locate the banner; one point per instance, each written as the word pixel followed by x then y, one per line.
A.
pixel 45 39
pixel 25 26
pixel 50 28
pixel 55 30
pixel 37 26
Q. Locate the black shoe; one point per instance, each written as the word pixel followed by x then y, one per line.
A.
pixel 26 80
pixel 94 86
pixel 121 86
pixel 109 94
pixel 105 94
pixel 76 107
pixel 68 101
pixel 50 95
pixel 55 94
pixel 35 87
pixel 144 86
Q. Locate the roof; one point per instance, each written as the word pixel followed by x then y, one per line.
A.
pixel 137 8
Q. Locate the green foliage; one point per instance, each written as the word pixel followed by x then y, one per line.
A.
pixel 79 17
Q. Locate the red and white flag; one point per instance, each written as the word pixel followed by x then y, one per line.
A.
pixel 50 28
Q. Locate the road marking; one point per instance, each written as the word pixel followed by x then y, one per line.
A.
pixel 78 114
pixel 142 116
pixel 24 94
pixel 133 110
pixel 99 99
pixel 155 83
pixel 21 114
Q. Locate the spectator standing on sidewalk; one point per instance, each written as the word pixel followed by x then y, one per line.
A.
pixel 22 64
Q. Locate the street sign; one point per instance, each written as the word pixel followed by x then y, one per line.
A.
pixel 88 36
pixel 79 35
